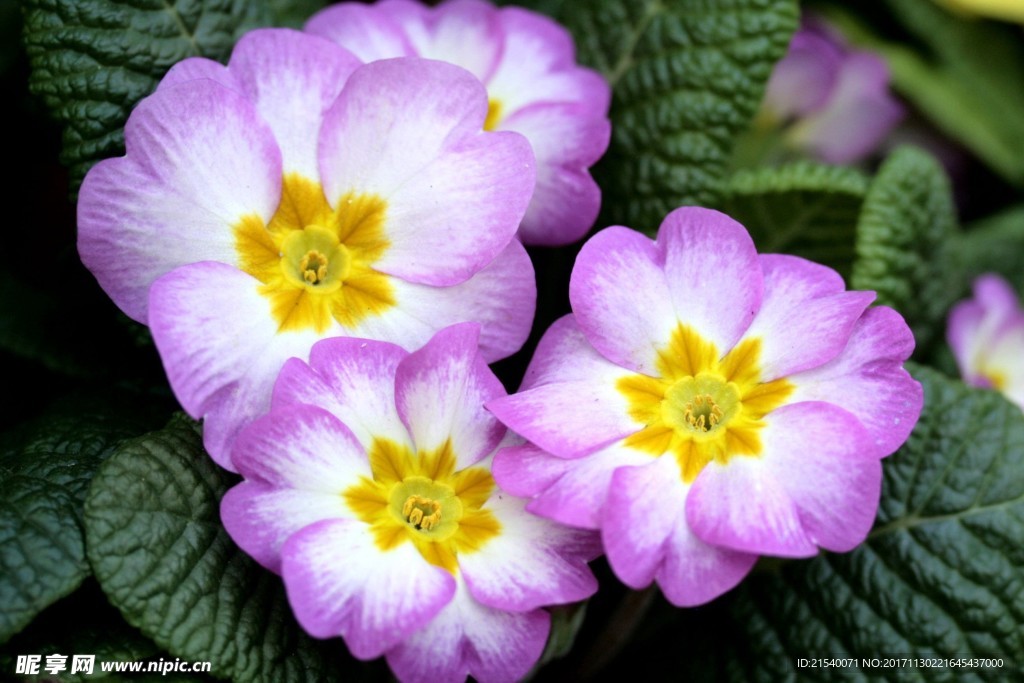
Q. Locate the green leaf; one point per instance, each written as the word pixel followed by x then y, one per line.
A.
pixel 43 485
pixel 993 244
pixel 92 60
pixel 159 551
pixel 293 13
pixel 42 557
pixel 905 226
pixel 806 209
pixel 968 80
pixel 82 623
pixel 687 77
pixel 942 573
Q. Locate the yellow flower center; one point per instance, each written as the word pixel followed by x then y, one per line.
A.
pixel 315 263
pixel 421 499
pixel 494 110
pixel 702 407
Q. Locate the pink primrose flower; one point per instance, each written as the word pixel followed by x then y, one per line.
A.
pixel 296 194
pixel 704 405
pixel 368 488
pixel 528 64
pixel 987 337
pixel 835 101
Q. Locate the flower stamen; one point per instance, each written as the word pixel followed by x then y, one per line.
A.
pixel 313 266
pixel 423 513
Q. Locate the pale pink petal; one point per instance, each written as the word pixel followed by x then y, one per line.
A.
pixel 365 30
pixel 646 538
pixel 571 492
pixel 713 273
pixel 564 355
pixel 803 80
pixel 868 379
pixel 292 78
pixel 567 140
pixel 470 639
pixel 410 132
pixel 221 348
pixel 300 447
pixel 621 299
pixel 531 563
pixel 198 160
pixel 352 378
pixel 819 453
pixel 340 583
pixel 859 113
pixel 501 297
pixel 463 32
pixel 806 317
pixel 440 391
pixel 260 518
pixel 744 506
pixel 539 66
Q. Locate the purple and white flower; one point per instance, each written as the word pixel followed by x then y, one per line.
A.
pixel 368 488
pixel 987 337
pixel 704 405
pixel 296 194
pixel 834 102
pixel 527 61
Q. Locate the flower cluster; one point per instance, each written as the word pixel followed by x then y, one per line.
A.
pixel 323 236
pixel 833 102
pixel 987 337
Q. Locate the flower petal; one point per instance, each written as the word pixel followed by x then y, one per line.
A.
pixel 365 30
pixel 470 639
pixel 292 78
pixel 806 317
pixel 340 583
pixel 531 562
pixel 195 68
pixel 571 492
pixel 300 447
pixel 220 347
pixel 539 65
pixel 410 131
pixel 462 32
pixel 804 78
pixel 198 159
pixel 568 419
pixel 817 482
pixel 440 392
pixel 819 453
pixel 713 273
pixel 502 298
pixel 858 114
pixel 647 538
pixel 260 518
pixel 354 379
pixel 567 139
pixel 742 505
pixel 621 299
pixel 868 379
pixel 564 355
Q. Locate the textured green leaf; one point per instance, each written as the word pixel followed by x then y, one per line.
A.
pixel 994 244
pixel 92 60
pixel 902 241
pixel 159 551
pixel 687 77
pixel 942 573
pixel 42 557
pixel 82 623
pixel 294 13
pixel 806 209
pixel 44 479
